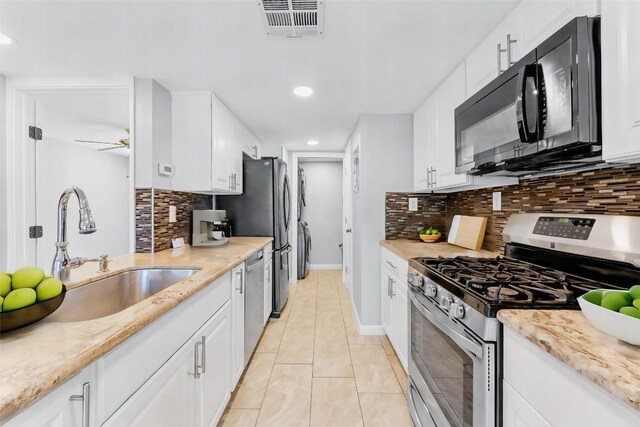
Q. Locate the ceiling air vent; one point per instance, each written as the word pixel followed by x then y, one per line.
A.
pixel 292 18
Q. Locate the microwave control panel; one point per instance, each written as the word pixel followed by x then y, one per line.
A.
pixel 568 228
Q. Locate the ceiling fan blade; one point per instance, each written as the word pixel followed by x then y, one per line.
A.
pixel 97 142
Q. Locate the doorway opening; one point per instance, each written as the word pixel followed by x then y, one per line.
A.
pixel 317 186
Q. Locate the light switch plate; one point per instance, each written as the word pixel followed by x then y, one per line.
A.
pixel 497 200
pixel 172 214
pixel 413 204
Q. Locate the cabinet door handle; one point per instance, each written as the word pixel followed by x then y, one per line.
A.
pixel 203 365
pixel 428 177
pixel 500 50
pixel 510 41
pixel 85 398
pixel 241 288
pixel 435 177
pixel 196 366
pixel 391 293
pixel 389 287
pixel 391 265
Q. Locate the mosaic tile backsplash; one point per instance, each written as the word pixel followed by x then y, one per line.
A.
pixel 610 191
pixel 154 232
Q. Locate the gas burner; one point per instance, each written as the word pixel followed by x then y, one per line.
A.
pixel 506 280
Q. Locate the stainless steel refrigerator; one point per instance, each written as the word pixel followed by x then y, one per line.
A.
pixel 264 209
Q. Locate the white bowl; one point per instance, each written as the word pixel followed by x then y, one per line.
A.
pixel 618 325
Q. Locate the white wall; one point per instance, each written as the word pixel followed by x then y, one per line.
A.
pixel 3 174
pixel 323 211
pixel 385 142
pixel 152 142
pixel 103 177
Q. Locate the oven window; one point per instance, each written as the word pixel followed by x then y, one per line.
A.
pixel 445 367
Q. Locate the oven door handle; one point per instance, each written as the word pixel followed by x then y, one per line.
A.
pixel 472 347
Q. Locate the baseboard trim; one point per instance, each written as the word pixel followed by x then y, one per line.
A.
pixel 365 329
pixel 325 266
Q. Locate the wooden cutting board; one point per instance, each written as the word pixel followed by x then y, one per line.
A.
pixel 467 231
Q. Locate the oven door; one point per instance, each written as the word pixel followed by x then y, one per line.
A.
pixel 452 373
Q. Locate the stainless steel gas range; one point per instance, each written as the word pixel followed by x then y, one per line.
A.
pixel 455 339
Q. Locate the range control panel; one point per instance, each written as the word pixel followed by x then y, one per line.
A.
pixel 569 228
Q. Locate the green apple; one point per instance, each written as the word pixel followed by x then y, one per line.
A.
pixel 27 277
pixel 631 311
pixel 5 285
pixel 48 289
pixel 1 301
pixel 616 300
pixel 19 298
pixel 634 291
pixel 636 303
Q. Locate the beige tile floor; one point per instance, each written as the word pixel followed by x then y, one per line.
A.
pixel 313 368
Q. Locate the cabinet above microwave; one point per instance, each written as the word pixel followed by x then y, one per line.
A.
pixel 540 115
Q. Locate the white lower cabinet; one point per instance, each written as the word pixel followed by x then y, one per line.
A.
pixel 237 324
pixel 394 303
pixel 212 393
pixel 166 399
pixel 540 390
pixel 517 412
pixel 63 407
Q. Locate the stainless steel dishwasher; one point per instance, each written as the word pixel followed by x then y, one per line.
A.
pixel 253 303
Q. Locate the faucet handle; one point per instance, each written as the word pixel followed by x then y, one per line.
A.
pixel 103 264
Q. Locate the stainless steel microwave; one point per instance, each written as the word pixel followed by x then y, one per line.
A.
pixel 540 115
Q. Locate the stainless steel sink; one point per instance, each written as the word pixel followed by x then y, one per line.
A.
pixel 115 293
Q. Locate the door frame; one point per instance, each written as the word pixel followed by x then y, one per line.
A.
pixel 16 208
pixel 293 171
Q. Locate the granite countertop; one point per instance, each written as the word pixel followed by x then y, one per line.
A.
pixel 568 336
pixel 408 249
pixel 37 359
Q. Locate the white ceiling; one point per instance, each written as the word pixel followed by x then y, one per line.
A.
pixel 84 114
pixel 375 57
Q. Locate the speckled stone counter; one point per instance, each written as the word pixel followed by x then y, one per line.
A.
pixel 408 249
pixel 568 336
pixel 37 359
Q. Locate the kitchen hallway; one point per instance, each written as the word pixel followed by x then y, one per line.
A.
pixel 311 367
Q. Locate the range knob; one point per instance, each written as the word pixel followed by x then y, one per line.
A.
pixel 416 280
pixel 456 310
pixel 431 290
pixel 445 302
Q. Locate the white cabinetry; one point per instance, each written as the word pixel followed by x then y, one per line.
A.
pixel 528 25
pixel 268 282
pixel 434 143
pixel 621 81
pixel 535 382
pixel 214 370
pixel 58 409
pixel 167 398
pixel 237 324
pixel 208 142
pixel 394 303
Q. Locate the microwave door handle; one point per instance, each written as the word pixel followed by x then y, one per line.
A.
pixel 522 120
pixel 472 348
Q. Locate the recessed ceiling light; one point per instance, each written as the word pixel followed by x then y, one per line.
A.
pixel 5 39
pixel 303 91
pixel 313 142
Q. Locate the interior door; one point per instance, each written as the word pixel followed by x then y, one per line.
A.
pixel 347 206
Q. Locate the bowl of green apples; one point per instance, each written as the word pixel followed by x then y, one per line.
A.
pixel 430 235
pixel 27 296
pixel 614 312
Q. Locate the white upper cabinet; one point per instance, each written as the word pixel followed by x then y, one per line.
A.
pixel 621 81
pixel 434 142
pixel 208 142
pixel 448 96
pixel 531 23
pixel 492 55
pixel 538 22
